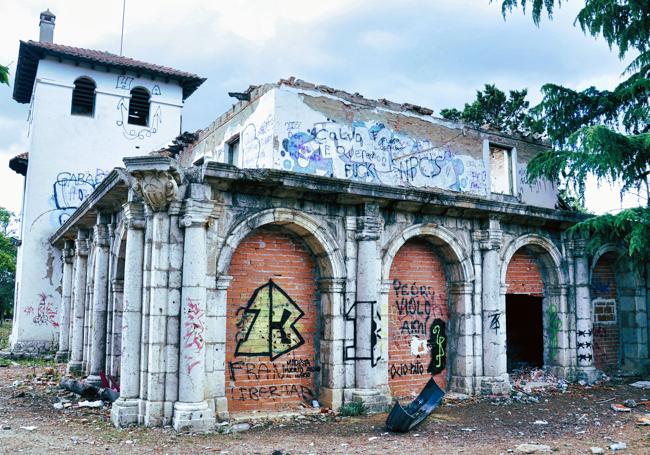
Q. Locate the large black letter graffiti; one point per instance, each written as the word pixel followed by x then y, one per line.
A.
pixel 268 324
pixel 349 353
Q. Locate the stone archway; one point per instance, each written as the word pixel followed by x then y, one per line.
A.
pixel 302 239
pixel 541 252
pixel 453 272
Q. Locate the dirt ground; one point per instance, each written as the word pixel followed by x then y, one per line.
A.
pixel 575 421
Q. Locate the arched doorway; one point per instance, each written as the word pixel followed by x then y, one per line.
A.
pixel 272 323
pixel 418 315
pixel 524 312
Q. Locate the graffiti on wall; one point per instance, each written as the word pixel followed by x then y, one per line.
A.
pixel 584 345
pixel 193 330
pixel 438 344
pixel 132 132
pixel 373 153
pixel 70 189
pixel 256 141
pixel 45 314
pixel 350 352
pixel 495 321
pixel 415 306
pixel 554 326
pixel 267 326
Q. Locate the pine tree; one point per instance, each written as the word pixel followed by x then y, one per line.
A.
pixel 601 132
pixel 4 75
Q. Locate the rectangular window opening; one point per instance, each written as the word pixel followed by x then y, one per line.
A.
pixel 232 150
pixel 501 171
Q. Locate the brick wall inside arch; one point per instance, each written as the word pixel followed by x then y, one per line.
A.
pixel 605 306
pixel 272 327
pixel 418 311
pixel 523 275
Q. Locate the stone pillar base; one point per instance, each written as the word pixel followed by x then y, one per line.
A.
pixel 195 417
pixel 221 403
pixel 124 412
pixel 372 399
pixel 495 386
pixel 587 374
pixel 75 367
pixel 331 398
pixel 462 384
pixel 566 373
pixel 95 380
pixel 61 356
pixel 153 414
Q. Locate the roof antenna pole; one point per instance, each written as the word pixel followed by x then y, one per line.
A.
pixel 122 35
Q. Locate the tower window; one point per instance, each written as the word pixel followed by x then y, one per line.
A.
pixel 83 97
pixel 139 107
pixel 501 171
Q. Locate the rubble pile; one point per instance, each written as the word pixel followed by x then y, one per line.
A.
pixel 530 384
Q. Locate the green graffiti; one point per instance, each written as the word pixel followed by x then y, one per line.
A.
pixel 554 326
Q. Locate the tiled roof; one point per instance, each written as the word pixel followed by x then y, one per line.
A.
pixel 32 51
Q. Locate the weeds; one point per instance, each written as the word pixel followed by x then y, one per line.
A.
pixel 352 409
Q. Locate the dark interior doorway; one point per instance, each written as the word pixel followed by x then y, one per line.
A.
pixel 524 331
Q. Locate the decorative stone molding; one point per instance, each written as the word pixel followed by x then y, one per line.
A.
pixel 223 282
pixel 489 239
pixel 101 235
pixel 368 227
pixel 157 188
pixel 195 213
pixel 68 251
pixel 133 213
pixel 334 285
pixel 81 247
pixel 579 247
pixel 117 285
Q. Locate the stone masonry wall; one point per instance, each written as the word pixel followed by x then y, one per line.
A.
pixel 418 312
pixel 272 327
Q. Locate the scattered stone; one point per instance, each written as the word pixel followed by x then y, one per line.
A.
pixel 597 450
pixel 641 384
pixel 58 406
pixel 619 408
pixel 90 404
pixel 540 422
pixel 617 446
pixel 643 420
pixel 630 403
pixel 532 448
pixel 239 427
pixel 6 427
pixel 29 428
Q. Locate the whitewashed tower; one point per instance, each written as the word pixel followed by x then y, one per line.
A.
pixel 88 110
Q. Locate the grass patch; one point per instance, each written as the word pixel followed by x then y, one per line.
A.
pixel 352 409
pixel 5 331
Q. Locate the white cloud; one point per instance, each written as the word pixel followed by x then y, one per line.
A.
pixel 381 40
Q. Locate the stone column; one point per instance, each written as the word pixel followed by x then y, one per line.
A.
pixel 191 411
pixel 66 303
pixel 100 300
pixel 219 313
pixel 125 410
pixel 584 318
pixel 495 359
pixel 332 379
pixel 366 303
pixel 78 312
pixel 117 286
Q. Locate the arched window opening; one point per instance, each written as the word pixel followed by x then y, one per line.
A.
pixel 83 97
pixel 139 107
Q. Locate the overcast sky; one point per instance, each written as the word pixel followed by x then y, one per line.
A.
pixel 434 53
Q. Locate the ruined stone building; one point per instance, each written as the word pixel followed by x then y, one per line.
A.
pixel 312 244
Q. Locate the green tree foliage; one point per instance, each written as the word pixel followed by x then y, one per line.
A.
pixel 7 263
pixel 4 75
pixel 605 133
pixel 492 109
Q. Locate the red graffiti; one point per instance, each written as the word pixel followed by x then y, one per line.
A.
pixel 29 310
pixel 193 335
pixel 45 314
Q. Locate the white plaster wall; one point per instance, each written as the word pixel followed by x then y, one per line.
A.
pixel 541 193
pixel 68 157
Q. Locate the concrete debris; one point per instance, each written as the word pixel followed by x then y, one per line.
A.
pixel 29 428
pixel 617 446
pixel 90 404
pixel 630 403
pixel 643 420
pixel 641 384
pixel 239 427
pixel 619 407
pixel 58 406
pixel 540 422
pixel 597 450
pixel 532 448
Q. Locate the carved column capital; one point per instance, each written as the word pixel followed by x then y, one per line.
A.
pixel 133 215
pixel 489 239
pixel 157 188
pixel 117 285
pixel 81 247
pixel 368 227
pixel 101 233
pixel 196 213
pixel 68 251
